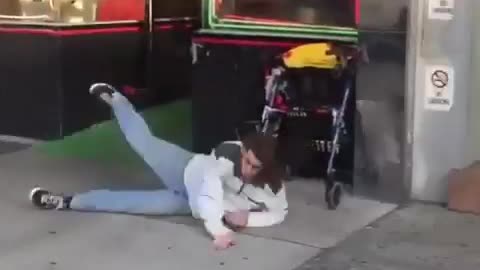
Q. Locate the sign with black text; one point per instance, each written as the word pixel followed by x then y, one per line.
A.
pixel 441 9
pixel 439 87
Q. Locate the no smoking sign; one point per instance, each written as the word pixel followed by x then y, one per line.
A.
pixel 439 87
pixel 440 78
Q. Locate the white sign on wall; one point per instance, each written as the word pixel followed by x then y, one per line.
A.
pixel 440 9
pixel 439 87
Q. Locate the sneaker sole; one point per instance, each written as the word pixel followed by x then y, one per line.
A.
pixel 33 191
pixel 95 85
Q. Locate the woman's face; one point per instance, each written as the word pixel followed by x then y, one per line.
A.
pixel 250 165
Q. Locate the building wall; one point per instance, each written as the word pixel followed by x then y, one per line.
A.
pixel 474 123
pixel 439 138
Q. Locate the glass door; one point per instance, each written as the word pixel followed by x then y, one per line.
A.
pixel 339 13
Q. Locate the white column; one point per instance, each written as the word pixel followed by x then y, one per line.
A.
pixel 438 137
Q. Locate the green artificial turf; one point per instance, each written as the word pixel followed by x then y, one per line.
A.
pixel 105 142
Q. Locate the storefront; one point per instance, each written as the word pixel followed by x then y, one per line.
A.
pixel 52 51
pixel 147 53
pixel 238 41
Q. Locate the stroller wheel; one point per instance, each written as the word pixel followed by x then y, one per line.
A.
pixel 333 195
pixel 288 171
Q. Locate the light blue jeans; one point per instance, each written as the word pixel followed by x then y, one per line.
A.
pixel 167 160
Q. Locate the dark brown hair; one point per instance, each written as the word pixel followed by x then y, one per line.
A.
pixel 264 147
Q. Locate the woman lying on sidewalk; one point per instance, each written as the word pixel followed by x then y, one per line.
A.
pixel 238 185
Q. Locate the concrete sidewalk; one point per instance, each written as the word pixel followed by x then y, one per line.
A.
pixel 11 147
pixel 417 237
pixel 35 239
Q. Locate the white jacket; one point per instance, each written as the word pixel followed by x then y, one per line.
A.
pixel 213 187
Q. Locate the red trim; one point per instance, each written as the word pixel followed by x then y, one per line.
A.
pixel 69 32
pixel 244 42
pixel 164 27
pixel 357 12
pixel 170 26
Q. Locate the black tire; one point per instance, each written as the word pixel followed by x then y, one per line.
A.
pixel 272 126
pixel 333 195
pixel 288 173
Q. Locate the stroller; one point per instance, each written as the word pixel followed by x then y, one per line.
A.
pixel 341 61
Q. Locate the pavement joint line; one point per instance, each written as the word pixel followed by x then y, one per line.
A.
pixel 308 264
pixel 283 240
pixel 372 224
pixel 263 237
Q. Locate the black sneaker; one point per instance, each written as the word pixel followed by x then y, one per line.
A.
pixel 100 89
pixel 44 199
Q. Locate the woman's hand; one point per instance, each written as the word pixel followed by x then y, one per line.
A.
pixel 225 241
